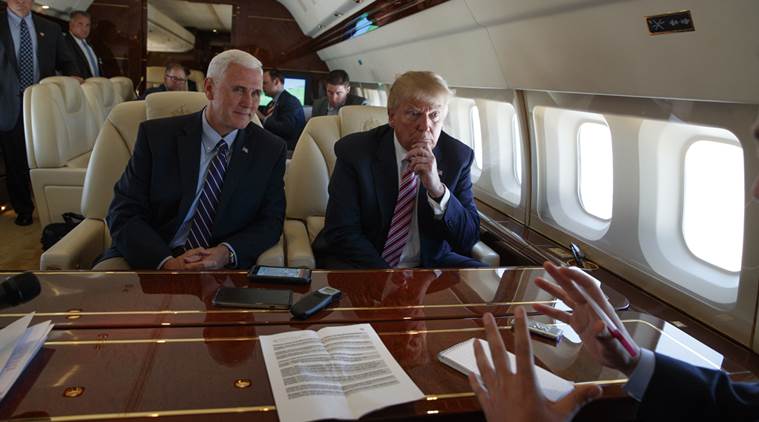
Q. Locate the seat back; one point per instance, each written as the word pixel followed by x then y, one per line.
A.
pixel 101 96
pixel 313 160
pixel 60 126
pixel 198 77
pixel 115 143
pixel 154 76
pixel 124 89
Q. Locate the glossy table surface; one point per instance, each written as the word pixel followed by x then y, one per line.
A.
pixel 146 345
pixel 150 299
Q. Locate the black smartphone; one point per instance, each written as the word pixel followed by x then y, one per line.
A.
pixel 253 298
pixel 266 274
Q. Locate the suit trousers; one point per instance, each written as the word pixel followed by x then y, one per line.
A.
pixel 17 168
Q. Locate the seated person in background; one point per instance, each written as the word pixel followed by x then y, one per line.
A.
pixel 174 79
pixel 338 95
pixel 668 389
pixel 205 190
pixel 400 195
pixel 283 116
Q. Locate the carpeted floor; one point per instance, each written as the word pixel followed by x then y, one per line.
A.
pixel 20 247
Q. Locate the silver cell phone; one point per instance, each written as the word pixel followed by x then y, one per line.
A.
pixel 552 332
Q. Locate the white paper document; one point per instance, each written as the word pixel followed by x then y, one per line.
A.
pixel 18 345
pixel 337 372
pixel 461 358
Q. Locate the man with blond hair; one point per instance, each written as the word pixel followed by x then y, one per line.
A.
pixel 202 191
pixel 400 194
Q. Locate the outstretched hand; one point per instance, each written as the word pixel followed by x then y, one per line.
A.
pixel 512 394
pixel 588 325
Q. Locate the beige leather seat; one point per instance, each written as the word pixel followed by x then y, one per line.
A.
pixel 101 96
pixel 307 180
pixel 124 88
pixel 198 77
pixel 60 130
pixel 113 149
pixel 154 76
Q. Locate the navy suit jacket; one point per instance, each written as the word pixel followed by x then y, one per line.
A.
pixel 152 197
pixel 52 54
pixel 362 195
pixel 80 58
pixel 321 105
pixel 679 391
pixel 287 119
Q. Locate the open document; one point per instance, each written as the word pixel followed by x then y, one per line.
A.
pixel 337 372
pixel 18 345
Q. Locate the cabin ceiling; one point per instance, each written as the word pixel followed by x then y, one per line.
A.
pixel 317 16
pixel 203 16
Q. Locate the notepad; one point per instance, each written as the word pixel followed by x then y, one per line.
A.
pixel 461 358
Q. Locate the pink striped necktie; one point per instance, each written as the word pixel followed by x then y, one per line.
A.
pixel 400 225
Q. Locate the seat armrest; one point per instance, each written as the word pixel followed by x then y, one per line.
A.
pixel 299 253
pixel 78 249
pixel 274 256
pixel 486 255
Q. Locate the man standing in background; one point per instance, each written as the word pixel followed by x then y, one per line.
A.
pixel 32 48
pixel 283 116
pixel 87 61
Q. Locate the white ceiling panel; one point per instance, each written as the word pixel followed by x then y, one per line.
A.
pixel 204 16
pixel 316 16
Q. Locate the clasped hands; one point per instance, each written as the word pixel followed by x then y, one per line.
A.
pixel 512 394
pixel 422 162
pixel 199 259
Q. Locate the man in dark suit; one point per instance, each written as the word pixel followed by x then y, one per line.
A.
pixel 31 48
pixel 206 190
pixel 338 95
pixel 87 62
pixel 174 79
pixel 283 116
pixel 401 195
pixel 668 389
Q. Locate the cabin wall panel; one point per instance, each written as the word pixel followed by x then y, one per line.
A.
pixel 119 36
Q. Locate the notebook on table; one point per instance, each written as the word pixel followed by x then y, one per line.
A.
pixel 461 358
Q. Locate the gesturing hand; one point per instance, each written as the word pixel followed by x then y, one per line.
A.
pixel 512 394
pixel 423 163
pixel 591 329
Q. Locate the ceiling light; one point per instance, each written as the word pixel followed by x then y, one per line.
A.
pixel 44 6
pixel 338 14
pixel 215 30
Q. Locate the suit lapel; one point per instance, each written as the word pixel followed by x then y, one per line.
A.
pixel 188 147
pixel 7 40
pixel 242 157
pixel 42 58
pixel 385 174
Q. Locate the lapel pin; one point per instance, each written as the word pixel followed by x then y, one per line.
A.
pixel 440 173
pixel 42 34
pixel 245 149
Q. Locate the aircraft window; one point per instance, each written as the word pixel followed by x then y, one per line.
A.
pixel 383 97
pixel 595 175
pixel 476 133
pixel 516 138
pixel 713 203
pixel 373 97
pixel 295 86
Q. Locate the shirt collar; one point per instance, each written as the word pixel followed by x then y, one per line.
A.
pixel 211 137
pixel 17 19
pixel 276 97
pixel 400 152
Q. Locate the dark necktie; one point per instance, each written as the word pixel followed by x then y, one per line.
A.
pixel 400 225
pixel 25 57
pixel 202 221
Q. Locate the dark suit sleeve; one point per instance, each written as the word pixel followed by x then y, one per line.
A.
pixel 288 119
pixel 64 57
pixel 679 391
pixel 129 212
pixel 319 108
pixel 265 231
pixel 461 223
pixel 342 230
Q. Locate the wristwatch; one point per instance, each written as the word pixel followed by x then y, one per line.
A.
pixel 232 258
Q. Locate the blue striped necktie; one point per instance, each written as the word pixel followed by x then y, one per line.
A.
pixel 93 61
pixel 25 57
pixel 202 221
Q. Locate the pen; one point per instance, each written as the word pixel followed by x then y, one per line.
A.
pixel 605 318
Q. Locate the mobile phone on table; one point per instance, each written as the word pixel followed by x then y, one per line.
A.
pixel 287 275
pixel 253 298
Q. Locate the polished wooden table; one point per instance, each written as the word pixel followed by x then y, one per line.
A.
pixel 143 345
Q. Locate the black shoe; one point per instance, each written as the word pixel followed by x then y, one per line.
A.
pixel 23 220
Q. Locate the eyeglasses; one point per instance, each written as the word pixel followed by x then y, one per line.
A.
pixel 175 79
